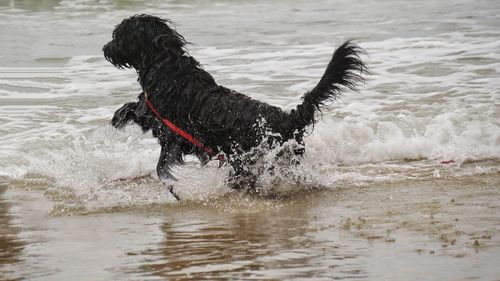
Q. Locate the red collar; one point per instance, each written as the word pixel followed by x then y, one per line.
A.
pixel 179 131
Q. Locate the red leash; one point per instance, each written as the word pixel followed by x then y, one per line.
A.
pixel 179 131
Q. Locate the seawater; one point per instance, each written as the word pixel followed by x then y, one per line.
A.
pixel 432 94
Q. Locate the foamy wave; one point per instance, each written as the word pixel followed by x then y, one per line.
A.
pixel 446 136
pixel 428 99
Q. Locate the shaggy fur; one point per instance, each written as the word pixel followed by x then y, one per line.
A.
pixel 224 120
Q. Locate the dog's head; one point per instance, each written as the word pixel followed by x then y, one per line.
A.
pixel 141 40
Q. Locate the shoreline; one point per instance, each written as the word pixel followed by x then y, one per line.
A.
pixel 436 230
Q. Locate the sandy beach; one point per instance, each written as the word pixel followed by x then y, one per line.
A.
pixel 433 230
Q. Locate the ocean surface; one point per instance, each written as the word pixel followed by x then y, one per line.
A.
pixel 429 111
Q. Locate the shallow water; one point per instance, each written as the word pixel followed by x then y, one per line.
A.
pixel 424 230
pixel 432 96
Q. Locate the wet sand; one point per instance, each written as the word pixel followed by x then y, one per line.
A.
pixel 444 229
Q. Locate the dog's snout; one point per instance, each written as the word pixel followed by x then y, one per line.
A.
pixel 110 53
pixel 107 48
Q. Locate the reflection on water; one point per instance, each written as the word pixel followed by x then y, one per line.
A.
pixel 10 244
pixel 356 233
pixel 280 244
pixel 233 245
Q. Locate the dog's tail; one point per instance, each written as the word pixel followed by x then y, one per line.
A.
pixel 344 71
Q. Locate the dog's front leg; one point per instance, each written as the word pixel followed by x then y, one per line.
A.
pixel 169 156
pixel 124 115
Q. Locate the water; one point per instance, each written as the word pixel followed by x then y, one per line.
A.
pixel 432 96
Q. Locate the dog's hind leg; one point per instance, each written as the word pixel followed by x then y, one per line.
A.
pixel 242 177
pixel 169 156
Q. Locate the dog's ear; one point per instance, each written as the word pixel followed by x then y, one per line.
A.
pixel 169 43
pixel 168 40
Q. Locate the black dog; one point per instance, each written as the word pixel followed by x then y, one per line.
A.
pixel 221 121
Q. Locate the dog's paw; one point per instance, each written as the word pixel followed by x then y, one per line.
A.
pixel 171 190
pixel 124 115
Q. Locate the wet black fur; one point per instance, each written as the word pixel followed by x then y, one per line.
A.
pixel 220 118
